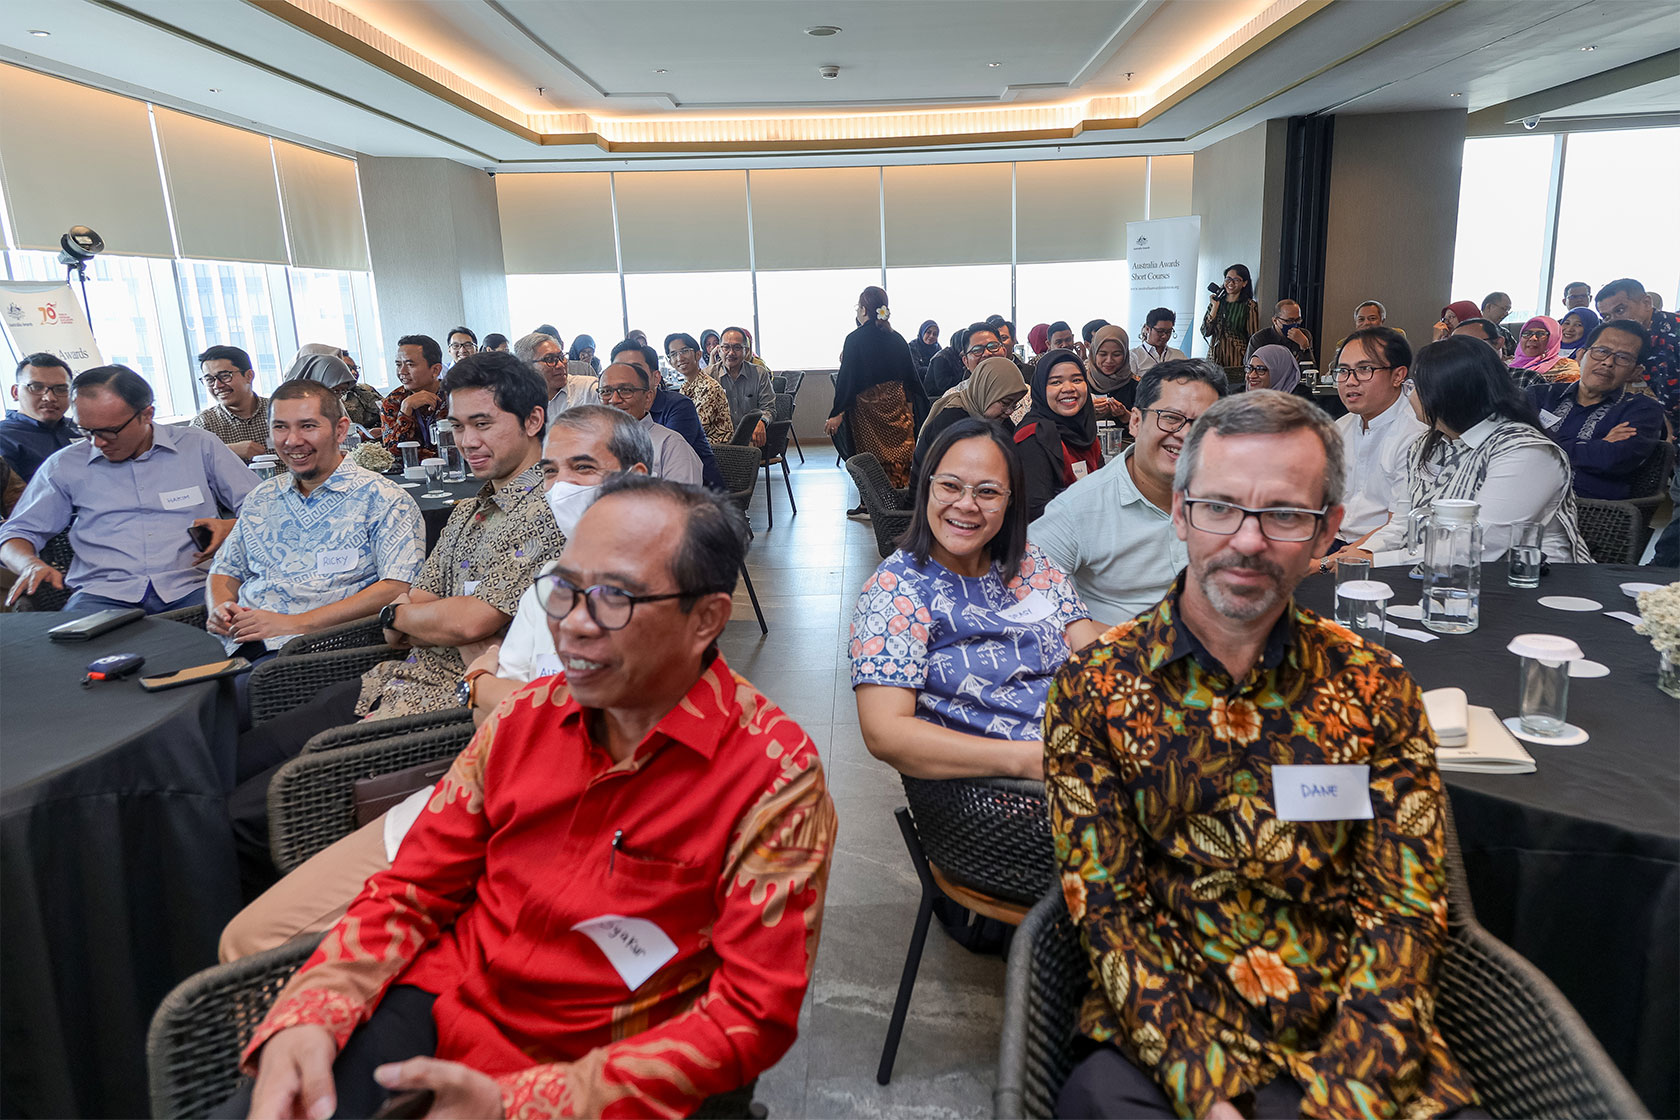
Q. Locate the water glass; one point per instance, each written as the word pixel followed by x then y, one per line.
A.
pixel 1349 571
pixel 454 464
pixel 1543 681
pixel 1525 554
pixel 1367 607
pixel 409 451
pixel 433 469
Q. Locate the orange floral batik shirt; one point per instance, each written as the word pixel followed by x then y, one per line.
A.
pixel 1227 945
pixel 717 830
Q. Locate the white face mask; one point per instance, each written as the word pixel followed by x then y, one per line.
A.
pixel 567 501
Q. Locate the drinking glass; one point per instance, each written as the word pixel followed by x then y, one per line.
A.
pixel 411 459
pixel 454 464
pixel 1543 681
pixel 1367 602
pixel 1525 554
pixel 1349 571
pixel 433 468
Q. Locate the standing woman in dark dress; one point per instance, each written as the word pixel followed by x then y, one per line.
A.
pixel 877 393
pixel 924 346
pixel 1231 318
pixel 1057 438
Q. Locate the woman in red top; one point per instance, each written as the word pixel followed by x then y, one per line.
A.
pixel 1057 438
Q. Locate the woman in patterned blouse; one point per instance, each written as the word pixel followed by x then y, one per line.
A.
pixel 710 401
pixel 957 634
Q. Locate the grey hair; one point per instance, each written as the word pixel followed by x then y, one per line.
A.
pixel 627 440
pixel 526 348
pixel 1266 412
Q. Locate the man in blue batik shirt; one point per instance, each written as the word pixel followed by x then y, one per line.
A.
pixel 324 543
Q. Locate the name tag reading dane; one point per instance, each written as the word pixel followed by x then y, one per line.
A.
pixel 181 499
pixel 1036 607
pixel 1322 793
pixel 635 947
pixel 334 561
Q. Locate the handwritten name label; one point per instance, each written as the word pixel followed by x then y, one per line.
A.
pixel 181 499
pixel 635 947
pixel 1322 793
pixel 1036 607
pixel 334 561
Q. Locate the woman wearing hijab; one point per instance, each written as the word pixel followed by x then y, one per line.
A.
pixel 708 344
pixel 877 393
pixel 1454 313
pixel 1231 318
pixel 331 366
pixel 1577 323
pixel 1039 339
pixel 1275 367
pixel 924 346
pixel 1538 360
pixel 991 393
pixel 1113 382
pixel 583 350
pixel 1057 439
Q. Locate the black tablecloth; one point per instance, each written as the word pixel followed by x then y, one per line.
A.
pixel 1576 866
pixel 436 511
pixel 117 870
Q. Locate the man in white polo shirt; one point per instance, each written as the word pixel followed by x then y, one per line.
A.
pixel 1113 532
pixel 1380 426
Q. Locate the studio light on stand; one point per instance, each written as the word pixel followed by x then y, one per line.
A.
pixel 75 249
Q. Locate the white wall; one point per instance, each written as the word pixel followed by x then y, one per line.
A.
pixel 1237 189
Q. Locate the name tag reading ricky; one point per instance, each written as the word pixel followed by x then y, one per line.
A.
pixel 181 499
pixel 334 561
pixel 635 947
pixel 1322 793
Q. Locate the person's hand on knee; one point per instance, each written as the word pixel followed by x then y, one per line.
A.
pixel 458 1092
pixel 294 1075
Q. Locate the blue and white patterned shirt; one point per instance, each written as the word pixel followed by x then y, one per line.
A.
pixel 293 553
pixel 980 653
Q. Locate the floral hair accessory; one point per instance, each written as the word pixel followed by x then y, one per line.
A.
pixel 882 313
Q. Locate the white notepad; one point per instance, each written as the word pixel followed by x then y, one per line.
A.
pixel 1491 749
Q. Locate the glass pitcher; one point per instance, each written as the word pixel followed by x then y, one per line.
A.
pixel 1449 536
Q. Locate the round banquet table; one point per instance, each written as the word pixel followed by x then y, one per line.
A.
pixel 117 870
pixel 1576 866
pixel 435 511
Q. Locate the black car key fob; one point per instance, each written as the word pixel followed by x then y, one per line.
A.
pixel 113 668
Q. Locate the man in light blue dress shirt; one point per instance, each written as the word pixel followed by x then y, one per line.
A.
pixel 129 496
pixel 323 543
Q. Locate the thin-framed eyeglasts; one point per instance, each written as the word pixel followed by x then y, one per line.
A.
pixel 948 490
pixel 1285 524
pixel 609 608
pixel 1169 421
pixel 1605 354
pixel 985 348
pixel 214 379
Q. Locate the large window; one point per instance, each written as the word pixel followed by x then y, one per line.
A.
pixel 1077 291
pixel 574 303
pixel 804 316
pixel 1597 241
pixel 1502 221
pixel 951 295
pixel 336 308
pixel 229 304
pixel 663 302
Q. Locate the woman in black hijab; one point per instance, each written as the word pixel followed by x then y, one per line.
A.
pixel 924 346
pixel 877 394
pixel 1057 438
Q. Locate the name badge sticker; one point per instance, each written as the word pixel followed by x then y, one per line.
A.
pixel 1080 470
pixel 468 586
pixel 635 947
pixel 547 665
pixel 1036 607
pixel 335 561
pixel 181 499
pixel 1322 793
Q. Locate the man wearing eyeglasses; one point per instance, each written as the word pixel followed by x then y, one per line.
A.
pixel 40 424
pixel 239 418
pixel 1379 428
pixel 1627 299
pixel 745 383
pixel 462 343
pixel 1248 818
pixel 130 497
pixel 1287 329
pixel 630 388
pixel 1154 344
pixel 569 383
pixel 1113 532
pixel 1609 431
pixel 670 409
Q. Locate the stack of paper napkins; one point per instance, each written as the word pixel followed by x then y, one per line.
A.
pixel 1471 738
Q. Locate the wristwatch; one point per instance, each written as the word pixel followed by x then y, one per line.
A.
pixel 466 692
pixel 388 616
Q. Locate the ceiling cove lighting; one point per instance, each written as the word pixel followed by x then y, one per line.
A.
pixel 40 34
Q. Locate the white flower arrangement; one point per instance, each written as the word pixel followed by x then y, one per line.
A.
pixel 1659 618
pixel 373 457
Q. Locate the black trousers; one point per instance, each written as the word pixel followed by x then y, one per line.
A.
pixel 262 751
pixel 400 1028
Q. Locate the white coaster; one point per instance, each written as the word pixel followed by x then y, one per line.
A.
pixel 1413 611
pixel 409 485
pixel 1632 590
pixel 1585 668
pixel 1571 736
pixel 1570 603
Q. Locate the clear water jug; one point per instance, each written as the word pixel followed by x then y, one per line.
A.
pixel 454 467
pixel 1450 538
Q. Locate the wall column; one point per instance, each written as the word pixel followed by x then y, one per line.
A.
pixel 1237 188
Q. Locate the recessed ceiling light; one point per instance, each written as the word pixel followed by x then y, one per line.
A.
pixel 1455 95
pixel 40 34
pixel 1589 48
pixel 994 65
pixel 661 71
pixel 823 30
pixel 215 89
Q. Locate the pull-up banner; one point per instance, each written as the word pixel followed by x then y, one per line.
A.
pixel 1161 257
pixel 44 316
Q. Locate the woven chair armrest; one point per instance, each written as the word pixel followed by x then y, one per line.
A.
pixel 283 683
pixel 198 1032
pixel 901 497
pixel 1007 1099
pixel 187 616
pixel 370 730
pixel 358 633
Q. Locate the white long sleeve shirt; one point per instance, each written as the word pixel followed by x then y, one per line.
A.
pixel 1376 464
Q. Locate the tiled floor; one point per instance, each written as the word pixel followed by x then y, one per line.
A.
pixel 807 572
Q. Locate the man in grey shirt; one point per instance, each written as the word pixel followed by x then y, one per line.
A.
pixel 746 383
pixel 569 383
pixel 630 388
pixel 1112 531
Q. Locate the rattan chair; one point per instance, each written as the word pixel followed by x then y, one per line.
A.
pixel 984 843
pixel 784 411
pixel 881 501
pixel 1614 531
pixel 1649 488
pixel 187 616
pixel 279 685
pixel 739 467
pixel 356 634
pixel 1520 1041
pixel 775 455
pixel 58 554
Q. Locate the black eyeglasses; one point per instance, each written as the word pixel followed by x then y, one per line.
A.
pixel 552 359
pixel 214 379
pixel 609 608
pixel 1285 524
pixel 39 389
pixel 1169 421
pixel 1257 368
pixel 110 433
pixel 1357 374
pixel 620 392
pixel 985 348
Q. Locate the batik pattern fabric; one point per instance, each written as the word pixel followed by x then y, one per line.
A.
pixel 884 425
pixel 1662 364
pixel 718 830
pixel 980 653
pixel 712 405
pixel 1228 946
pixel 419 424
pixel 491 548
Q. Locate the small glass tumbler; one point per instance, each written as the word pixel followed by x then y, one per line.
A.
pixel 1543 681
pixel 411 459
pixel 1349 571
pixel 1367 606
pixel 1525 554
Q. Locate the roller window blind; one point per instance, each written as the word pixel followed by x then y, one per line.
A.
pixel 1076 209
pixel 1169 186
pixel 103 175
pixel 947 214
pixel 682 221
pixel 221 185
pixel 817 217
pixel 323 207
pixel 553 223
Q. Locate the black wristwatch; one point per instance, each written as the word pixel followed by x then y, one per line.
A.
pixel 388 616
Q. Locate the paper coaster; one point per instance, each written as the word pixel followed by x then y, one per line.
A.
pixel 409 485
pixel 1632 590
pixel 1571 735
pixel 1412 611
pixel 1570 603
pixel 1585 668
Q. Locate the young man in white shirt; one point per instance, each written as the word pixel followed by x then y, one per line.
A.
pixel 1379 429
pixel 1152 348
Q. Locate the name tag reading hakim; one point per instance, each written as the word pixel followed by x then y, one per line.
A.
pixel 635 947
pixel 181 499
pixel 1322 793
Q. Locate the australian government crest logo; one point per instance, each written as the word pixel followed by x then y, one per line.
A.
pixel 15 314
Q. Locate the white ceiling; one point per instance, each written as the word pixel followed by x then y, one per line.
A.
pixel 742 58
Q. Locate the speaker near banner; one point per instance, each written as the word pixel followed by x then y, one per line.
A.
pixel 75 249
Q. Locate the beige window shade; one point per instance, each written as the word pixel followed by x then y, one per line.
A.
pixel 109 182
pixel 947 214
pixel 1169 186
pixel 323 208
pixel 221 185
pixel 556 223
pixel 682 221
pixel 1076 209
pixel 817 217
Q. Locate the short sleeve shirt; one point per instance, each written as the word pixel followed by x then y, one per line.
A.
pixel 980 653
pixel 229 428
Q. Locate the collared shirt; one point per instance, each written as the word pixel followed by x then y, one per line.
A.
pixel 673 458
pixel 712 403
pixel 293 553
pixel 1662 364
pixel 128 521
pixel 1231 945
pixel 749 391
pixel 26 443
pixel 228 428
pixel 491 548
pixel 1376 464
pixel 419 425
pixel 1119 547
pixel 716 834
pixel 580 389
pixel 1146 357
pixel 1602 469
pixel 678 413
